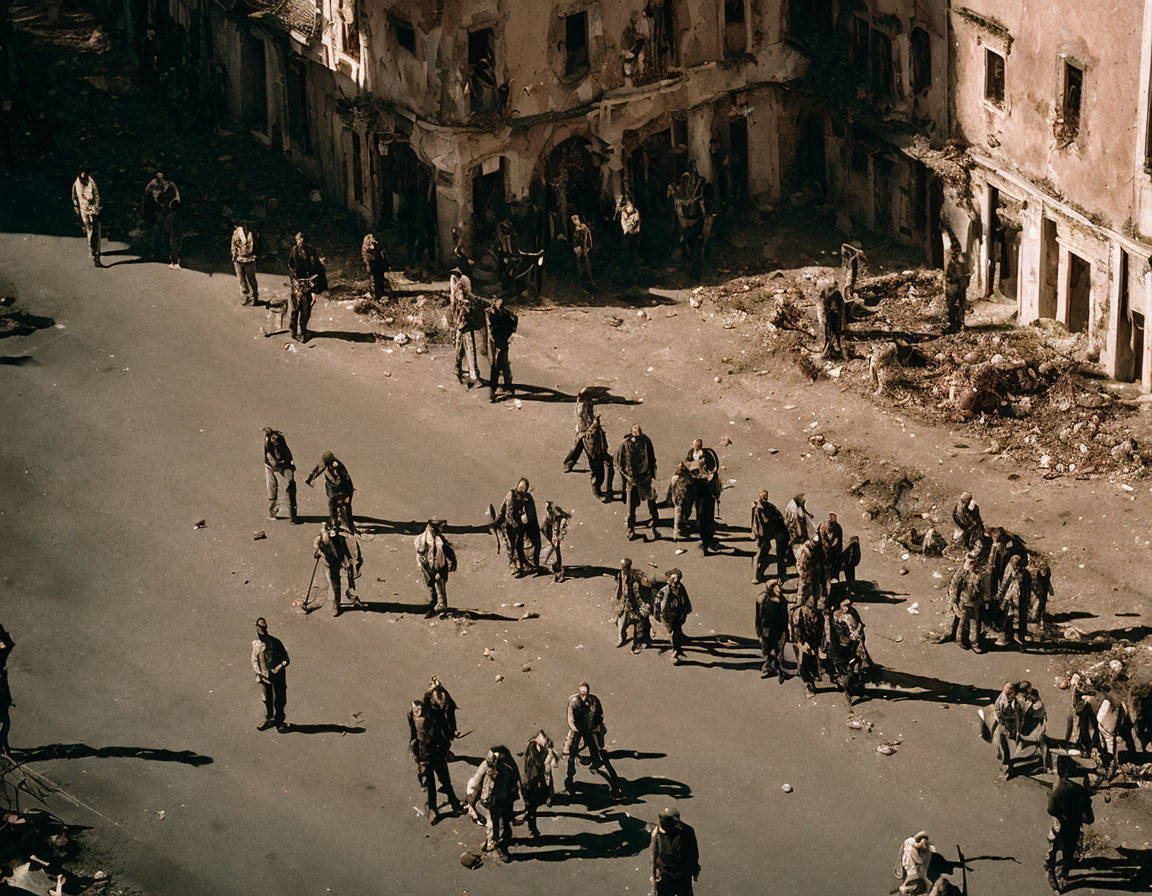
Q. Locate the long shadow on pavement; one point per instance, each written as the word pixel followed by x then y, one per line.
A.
pixel 906 686
pixel 48 752
pixel 1131 871
pixel 630 838
pixel 327 728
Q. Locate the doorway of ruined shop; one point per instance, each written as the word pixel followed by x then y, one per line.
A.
pixel 407 194
pixel 489 205
pixel 654 165
pixel 571 188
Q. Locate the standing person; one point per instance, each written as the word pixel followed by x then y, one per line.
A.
pixel 912 867
pixel 86 202
pixel 518 518
pixel 340 555
pixel 704 468
pixel 630 230
pixel 673 607
pixel 602 471
pixel 771 534
pixel 680 496
pixel 808 634
pixel 772 629
pixel 540 757
pixel 1015 597
pixel 554 529
pixel 155 206
pixel 244 263
pixel 1070 807
pixel 675 856
pixel 833 313
pixel 436 559
pixel 632 610
pixel 338 489
pixel 1006 725
pixel 796 517
pixel 585 414
pixel 850 660
pixel 831 536
pixel 6 645
pixel 430 747
pixel 439 705
pixel 465 311
pixel 376 263
pixel 849 560
pixel 278 463
pixel 173 233
pixel 496 787
pixel 460 253
pixel 1041 591
pixel 582 249
pixel 965 597
pixel 269 660
pixel 309 277
pixel 586 728
pixel 636 461
pixel 501 325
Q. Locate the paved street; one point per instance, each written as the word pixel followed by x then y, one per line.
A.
pixel 140 412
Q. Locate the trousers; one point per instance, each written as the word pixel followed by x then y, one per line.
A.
pixel 274 690
pixel 246 274
pixel 272 475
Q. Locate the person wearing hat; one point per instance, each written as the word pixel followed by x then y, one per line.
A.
pixel 586 727
pixel 340 555
pixel 86 202
pixel 501 325
pixel 269 660
pixel 675 856
pixel 673 607
pixel 338 488
pixel 636 461
pixel 436 559
pixel 278 463
pixel 518 518
pixel 430 746
pixel 244 262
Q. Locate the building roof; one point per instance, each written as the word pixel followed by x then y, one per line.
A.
pixel 301 18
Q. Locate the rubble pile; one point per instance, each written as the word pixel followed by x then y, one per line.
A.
pixel 1123 674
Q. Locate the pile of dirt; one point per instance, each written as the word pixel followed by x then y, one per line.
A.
pixel 1030 392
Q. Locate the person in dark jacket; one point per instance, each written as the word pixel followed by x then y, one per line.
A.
pixel 602 471
pixel 342 560
pixel 586 728
pixel 540 757
pixel 772 629
pixel 675 856
pixel 808 635
pixel 278 465
pixel 338 488
pixel 309 277
pixel 673 607
pixel 831 536
pixel 1070 807
pixel 376 263
pixel 518 519
pixel 269 662
pixel 430 745
pixel 704 469
pixel 771 536
pixel 636 461
pixel 849 560
pixel 501 325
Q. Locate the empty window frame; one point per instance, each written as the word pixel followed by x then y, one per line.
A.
pixel 859 47
pixel 575 43
pixel 349 28
pixel 405 35
pixel 1071 101
pixel 735 29
pixel 482 69
pixel 994 78
pixel 881 52
pixel 921 44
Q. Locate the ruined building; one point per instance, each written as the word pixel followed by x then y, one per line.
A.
pixel 1009 142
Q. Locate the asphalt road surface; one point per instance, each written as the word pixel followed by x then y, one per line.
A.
pixel 140 413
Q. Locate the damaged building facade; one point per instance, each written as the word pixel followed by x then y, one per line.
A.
pixel 1010 144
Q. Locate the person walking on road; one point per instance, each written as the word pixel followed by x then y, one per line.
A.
pixel 586 728
pixel 772 629
pixel 585 414
pixel 796 517
pixel 244 263
pixel 1070 808
pixel 501 325
pixel 632 609
pixel 675 856
pixel 467 315
pixel 912 865
pixel 636 461
pixel 673 607
pixel 341 555
pixel 496 787
pixel 704 469
pixel 376 263
pixel 269 661
pixel 430 747
pixel 518 518
pixel 309 277
pixel 338 488
pixel 156 208
pixel 278 465
pixel 540 757
pixel 771 536
pixel 86 202
pixel 436 559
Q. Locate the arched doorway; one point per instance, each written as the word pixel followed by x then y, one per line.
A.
pixel 408 197
pixel 571 181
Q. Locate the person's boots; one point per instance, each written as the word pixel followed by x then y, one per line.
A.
pixel 273 507
pixel 336 608
pixel 292 501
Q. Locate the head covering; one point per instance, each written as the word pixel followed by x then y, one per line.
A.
pixel 327 457
pixel 669 814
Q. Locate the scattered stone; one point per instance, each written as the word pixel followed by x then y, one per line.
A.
pixel 787 788
pixel 258 535
pixel 886 749
pixel 200 524
pixel 499 678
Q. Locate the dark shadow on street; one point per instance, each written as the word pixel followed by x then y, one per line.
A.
pixel 17 360
pixel 541 393
pixel 894 685
pixel 294 728
pixel 1131 871
pixel 635 754
pixel 630 838
pixel 377 526
pixel 48 752
pixel 477 615
pixel 345 335
pixel 871 593
pixel 588 571
pixel 383 606
pixel 21 323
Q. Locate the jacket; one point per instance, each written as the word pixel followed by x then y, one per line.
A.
pixel 243 245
